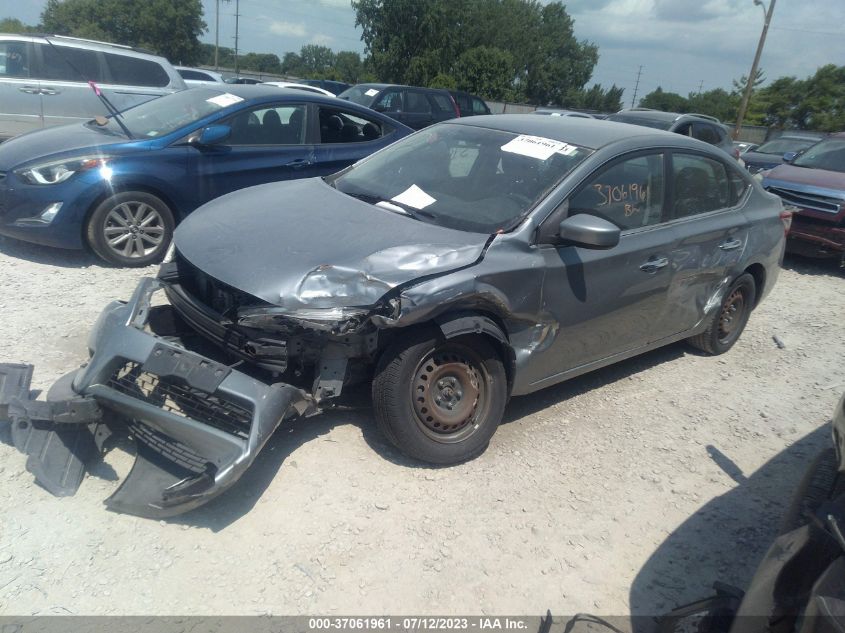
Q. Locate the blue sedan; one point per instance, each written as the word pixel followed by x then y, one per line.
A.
pixel 119 185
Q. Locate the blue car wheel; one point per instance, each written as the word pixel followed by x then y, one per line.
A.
pixel 132 228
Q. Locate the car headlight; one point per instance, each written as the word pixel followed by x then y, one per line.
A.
pixel 54 172
pixel 318 318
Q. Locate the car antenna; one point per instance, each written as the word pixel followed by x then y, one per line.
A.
pixel 109 106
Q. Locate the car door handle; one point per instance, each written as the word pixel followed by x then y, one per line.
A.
pixel 298 163
pixel 730 245
pixel 30 90
pixel 654 264
pixel 49 90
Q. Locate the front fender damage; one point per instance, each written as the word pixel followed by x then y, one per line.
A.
pixel 197 424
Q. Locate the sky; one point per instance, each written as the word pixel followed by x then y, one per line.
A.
pixel 682 45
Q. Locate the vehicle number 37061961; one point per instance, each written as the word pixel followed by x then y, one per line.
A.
pixel 630 193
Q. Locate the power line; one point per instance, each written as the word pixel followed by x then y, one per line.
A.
pixel 636 86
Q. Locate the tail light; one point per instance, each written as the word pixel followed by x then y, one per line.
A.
pixel 786 218
pixel 455 105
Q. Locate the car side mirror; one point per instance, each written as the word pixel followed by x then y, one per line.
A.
pixel 788 157
pixel 589 231
pixel 212 135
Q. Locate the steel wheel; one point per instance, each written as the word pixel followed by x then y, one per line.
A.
pixel 731 318
pixel 134 229
pixel 449 393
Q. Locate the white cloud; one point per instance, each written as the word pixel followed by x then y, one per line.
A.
pixel 322 39
pixel 280 27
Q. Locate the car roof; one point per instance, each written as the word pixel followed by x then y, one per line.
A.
pixel 383 86
pixel 591 133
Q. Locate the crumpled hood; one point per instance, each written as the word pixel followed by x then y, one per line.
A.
pixel 73 139
pixel 304 244
pixel 818 181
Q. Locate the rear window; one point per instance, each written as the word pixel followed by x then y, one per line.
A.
pixel 362 95
pixel 133 71
pixel 195 75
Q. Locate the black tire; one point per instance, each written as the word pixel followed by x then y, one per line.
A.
pixel 728 322
pixel 131 228
pixel 818 485
pixel 440 401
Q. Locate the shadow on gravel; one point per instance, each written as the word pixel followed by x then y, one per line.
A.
pixel 727 537
pixel 813 265
pixel 38 254
pixel 521 406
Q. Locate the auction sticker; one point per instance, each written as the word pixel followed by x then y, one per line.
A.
pixel 225 100
pixel 414 197
pixel 372 92
pixel 536 147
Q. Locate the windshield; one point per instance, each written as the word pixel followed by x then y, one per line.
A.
pixel 462 177
pixel 829 154
pixel 783 145
pixel 660 124
pixel 171 112
pixel 362 95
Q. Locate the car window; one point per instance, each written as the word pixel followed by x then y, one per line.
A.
pixel 463 103
pixel 634 119
pixel 268 125
pixel 705 132
pixel 478 106
pixel 629 193
pixel 389 101
pixel 67 63
pixel 133 71
pixel 701 185
pixel 416 102
pixel 828 154
pixel 462 176
pixel 341 126
pixel 14 59
pixel 195 75
pixel 780 146
pixel 443 103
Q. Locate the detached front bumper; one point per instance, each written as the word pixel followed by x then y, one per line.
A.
pixel 198 424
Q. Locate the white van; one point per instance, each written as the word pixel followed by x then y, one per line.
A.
pixel 44 80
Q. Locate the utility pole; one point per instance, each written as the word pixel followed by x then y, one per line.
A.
pixel 700 86
pixel 743 106
pixel 637 86
pixel 217 36
pixel 237 15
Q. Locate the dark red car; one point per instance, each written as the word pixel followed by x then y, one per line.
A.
pixel 813 184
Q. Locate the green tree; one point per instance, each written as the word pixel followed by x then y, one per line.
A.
pixel 487 71
pixel 668 101
pixel 169 28
pixel 261 62
pixel 350 67
pixel 537 55
pixel 13 25
pixel 717 102
pixel 815 103
pixel 596 98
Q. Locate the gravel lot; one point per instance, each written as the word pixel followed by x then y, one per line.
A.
pixel 628 490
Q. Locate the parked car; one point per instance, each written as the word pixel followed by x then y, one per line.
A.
pixel 119 185
pixel 243 80
pixel 800 583
pixel 745 146
pixel 770 154
pixel 813 184
pixel 475 260
pixel 335 87
pixel 44 80
pixel 306 87
pixel 557 112
pixel 199 76
pixel 415 107
pixel 700 126
pixel 469 105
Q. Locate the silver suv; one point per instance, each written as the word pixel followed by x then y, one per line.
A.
pixel 701 126
pixel 44 80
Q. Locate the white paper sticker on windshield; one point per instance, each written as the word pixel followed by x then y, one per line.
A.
pixel 372 92
pixel 414 197
pixel 534 146
pixel 225 100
